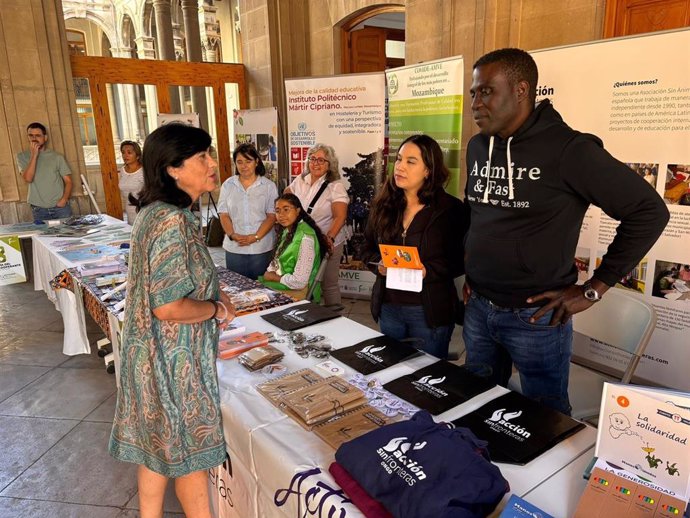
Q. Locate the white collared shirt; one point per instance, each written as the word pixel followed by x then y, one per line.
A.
pixel 247 209
pixel 322 213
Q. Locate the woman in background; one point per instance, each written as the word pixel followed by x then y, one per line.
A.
pixel 413 209
pixel 299 253
pixel 168 417
pixel 324 197
pixel 246 212
pixel 130 177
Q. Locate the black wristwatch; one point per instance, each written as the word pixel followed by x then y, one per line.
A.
pixel 590 293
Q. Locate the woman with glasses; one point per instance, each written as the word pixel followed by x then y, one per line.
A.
pixel 325 198
pixel 299 252
pixel 246 212
pixel 413 209
pixel 130 176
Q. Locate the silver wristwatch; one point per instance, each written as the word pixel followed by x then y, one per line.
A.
pixel 590 293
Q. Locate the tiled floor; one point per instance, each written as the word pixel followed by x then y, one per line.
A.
pixel 56 413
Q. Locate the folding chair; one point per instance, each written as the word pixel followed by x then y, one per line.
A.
pixel 619 320
pixel 317 278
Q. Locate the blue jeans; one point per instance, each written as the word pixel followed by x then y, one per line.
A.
pixel 249 265
pixel 42 213
pixel 500 337
pixel 400 321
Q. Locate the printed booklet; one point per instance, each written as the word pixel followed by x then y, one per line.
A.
pixel 645 431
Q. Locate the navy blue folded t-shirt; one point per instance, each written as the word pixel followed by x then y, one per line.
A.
pixel 421 469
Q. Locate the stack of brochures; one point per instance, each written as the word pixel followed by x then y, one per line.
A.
pixel 310 399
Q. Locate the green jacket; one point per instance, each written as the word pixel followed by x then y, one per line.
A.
pixel 288 259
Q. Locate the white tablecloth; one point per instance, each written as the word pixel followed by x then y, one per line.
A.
pixel 277 469
pixel 47 264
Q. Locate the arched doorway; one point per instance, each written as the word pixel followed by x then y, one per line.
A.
pixel 373 40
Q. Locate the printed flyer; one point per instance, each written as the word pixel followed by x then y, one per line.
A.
pixel 347 113
pixel 645 431
pixel 427 98
pixel 639 105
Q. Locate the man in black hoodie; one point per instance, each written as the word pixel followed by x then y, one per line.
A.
pixel 530 180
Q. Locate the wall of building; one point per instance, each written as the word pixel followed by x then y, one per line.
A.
pixel 35 85
pixel 295 38
pixel 280 39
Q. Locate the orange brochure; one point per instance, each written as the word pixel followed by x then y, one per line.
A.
pixel 394 256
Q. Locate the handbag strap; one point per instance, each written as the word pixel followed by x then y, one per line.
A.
pixel 208 207
pixel 317 196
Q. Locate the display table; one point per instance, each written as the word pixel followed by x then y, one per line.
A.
pixel 278 469
pixel 47 263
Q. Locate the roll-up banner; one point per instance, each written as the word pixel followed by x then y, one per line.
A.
pixel 260 128
pixel 427 98
pixel 634 94
pixel 11 261
pixel 347 113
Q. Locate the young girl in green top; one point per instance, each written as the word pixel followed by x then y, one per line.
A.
pixel 300 249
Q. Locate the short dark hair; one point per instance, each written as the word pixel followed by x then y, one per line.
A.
pixel 517 64
pixel 248 150
pixel 37 125
pixel 135 146
pixel 168 146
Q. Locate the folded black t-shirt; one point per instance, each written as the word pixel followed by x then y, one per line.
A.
pixel 518 429
pixel 297 317
pixel 375 354
pixel 439 386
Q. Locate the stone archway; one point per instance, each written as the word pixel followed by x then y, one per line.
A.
pixel 363 49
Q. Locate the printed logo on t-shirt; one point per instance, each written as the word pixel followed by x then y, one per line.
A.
pixel 426 384
pixel 500 422
pixel 397 460
pixel 367 353
pixel 294 315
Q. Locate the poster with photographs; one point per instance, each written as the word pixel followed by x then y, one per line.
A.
pixel 639 105
pixel 346 112
pixel 259 128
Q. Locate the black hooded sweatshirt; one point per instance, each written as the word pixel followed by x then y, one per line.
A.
pixel 525 220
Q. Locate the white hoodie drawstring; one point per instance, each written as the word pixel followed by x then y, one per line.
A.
pixel 510 171
pixel 488 170
pixel 511 193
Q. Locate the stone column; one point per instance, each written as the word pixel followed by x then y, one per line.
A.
pixel 115 111
pixel 166 45
pixel 129 107
pixel 190 16
pixel 35 85
pixel 146 51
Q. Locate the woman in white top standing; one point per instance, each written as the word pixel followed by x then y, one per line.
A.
pixel 247 212
pixel 328 207
pixel 131 176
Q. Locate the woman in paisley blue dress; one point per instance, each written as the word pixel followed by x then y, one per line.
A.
pixel 168 417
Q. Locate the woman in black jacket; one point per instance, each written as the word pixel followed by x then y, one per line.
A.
pixel 412 209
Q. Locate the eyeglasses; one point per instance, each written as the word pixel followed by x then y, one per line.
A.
pixel 319 160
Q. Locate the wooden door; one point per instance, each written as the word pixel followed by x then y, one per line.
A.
pixel 368 50
pixel 627 17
